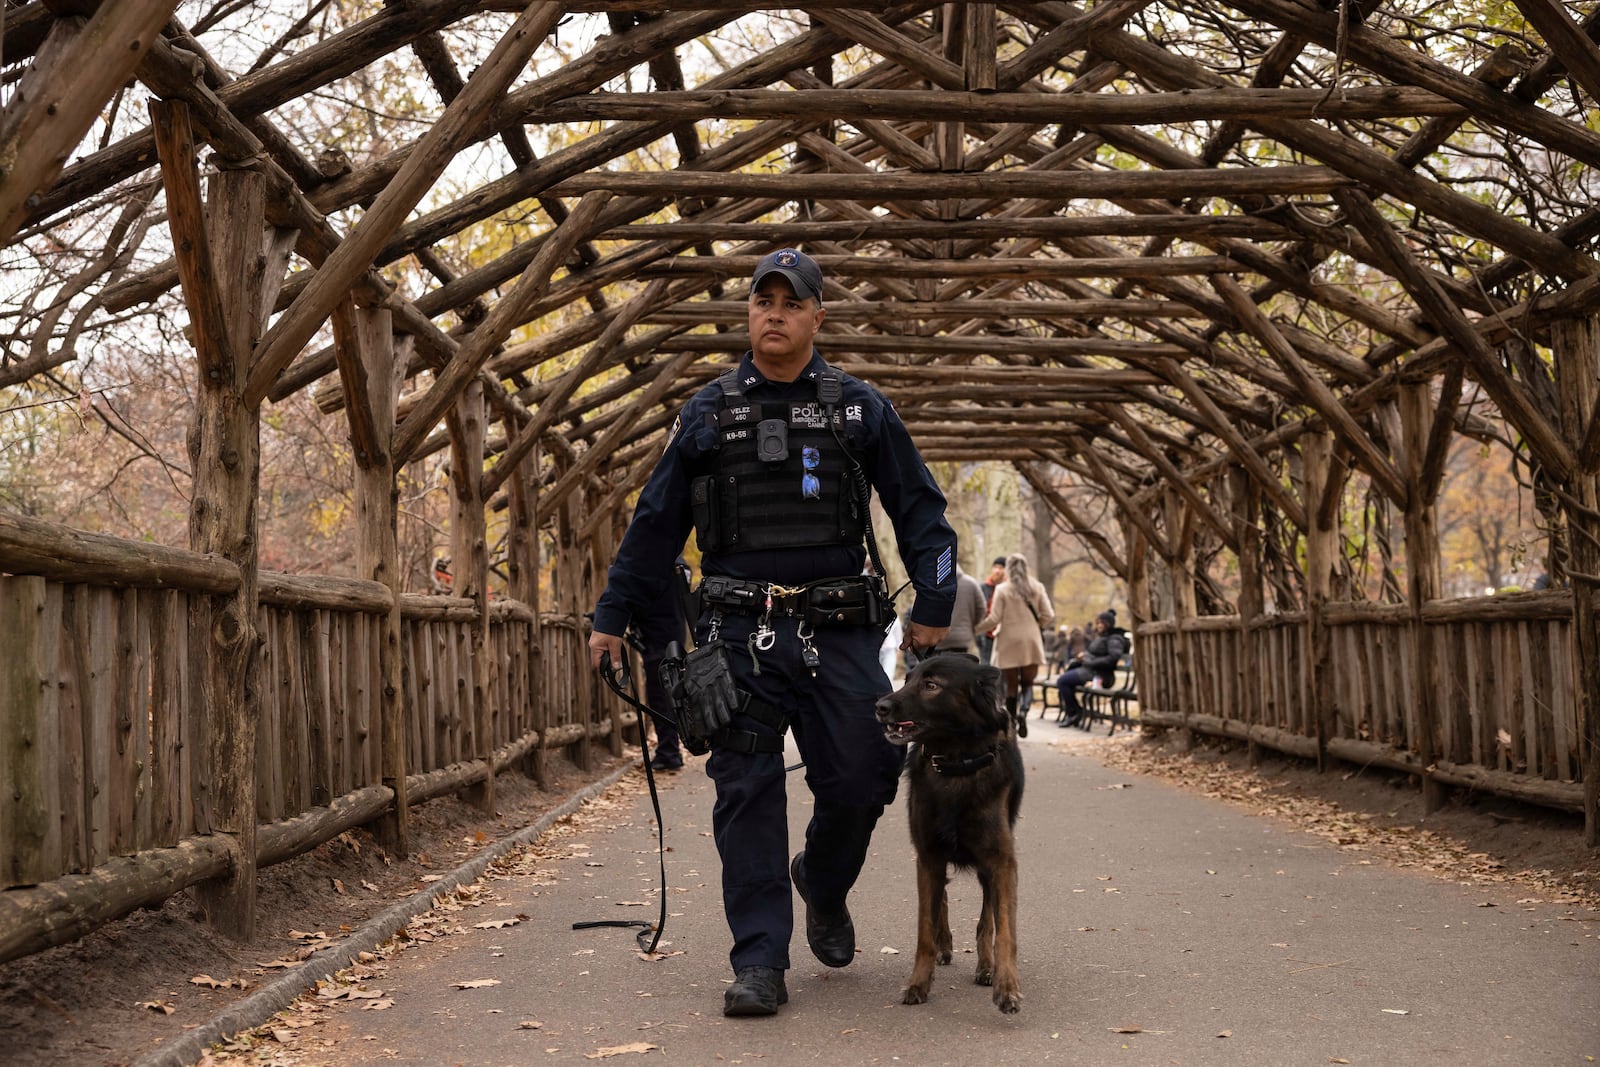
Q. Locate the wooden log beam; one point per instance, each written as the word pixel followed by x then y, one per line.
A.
pixel 839 268
pixel 1042 108
pixel 507 314
pixel 1098 543
pixel 1366 165
pixel 890 314
pixel 35 918
pixel 1381 53
pixel 62 554
pixel 1313 388
pixel 1510 396
pixel 180 176
pixel 1113 485
pixel 879 186
pixel 1156 457
pixel 322 592
pixel 454 129
pixel 1042 351
pixel 1241 449
pixel 81 63
pixel 552 405
pixel 796 231
pixel 580 471
pixel 288 838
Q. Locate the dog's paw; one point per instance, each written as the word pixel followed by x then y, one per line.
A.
pixel 985 976
pixel 1009 1003
pixel 944 957
pixel 915 994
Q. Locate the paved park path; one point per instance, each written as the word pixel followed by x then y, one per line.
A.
pixel 1157 927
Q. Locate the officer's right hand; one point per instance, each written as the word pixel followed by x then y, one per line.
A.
pixel 599 643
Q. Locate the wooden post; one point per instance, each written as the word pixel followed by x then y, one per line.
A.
pixel 31 806
pixel 372 375
pixel 1180 565
pixel 1423 582
pixel 1138 607
pixel 522 559
pixel 1246 503
pixel 224 448
pixel 1322 535
pixel 1577 364
pixel 469 559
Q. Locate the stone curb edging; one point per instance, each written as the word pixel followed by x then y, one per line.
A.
pixel 278 994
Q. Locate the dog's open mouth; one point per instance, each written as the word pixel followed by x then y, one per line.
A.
pixel 900 733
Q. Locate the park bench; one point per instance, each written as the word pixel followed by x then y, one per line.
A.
pixel 1114 705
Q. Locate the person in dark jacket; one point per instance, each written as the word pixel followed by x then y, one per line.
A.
pixel 771 465
pixel 1099 660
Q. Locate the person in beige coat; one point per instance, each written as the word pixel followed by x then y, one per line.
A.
pixel 1017 617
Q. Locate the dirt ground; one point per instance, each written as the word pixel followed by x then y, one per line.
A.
pixel 136 983
pixel 143 980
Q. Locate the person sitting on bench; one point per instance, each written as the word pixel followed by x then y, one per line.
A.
pixel 1099 660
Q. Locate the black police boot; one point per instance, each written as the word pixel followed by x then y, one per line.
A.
pixel 667 761
pixel 831 935
pixel 755 991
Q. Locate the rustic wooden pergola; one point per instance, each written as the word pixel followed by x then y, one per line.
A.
pixel 1224 265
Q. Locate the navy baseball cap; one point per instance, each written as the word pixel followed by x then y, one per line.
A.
pixel 801 270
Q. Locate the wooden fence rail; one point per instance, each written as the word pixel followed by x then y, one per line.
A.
pixel 106 793
pixel 1504 673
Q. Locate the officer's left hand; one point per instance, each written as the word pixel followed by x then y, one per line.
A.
pixel 920 636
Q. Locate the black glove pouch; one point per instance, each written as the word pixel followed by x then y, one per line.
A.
pixel 707 697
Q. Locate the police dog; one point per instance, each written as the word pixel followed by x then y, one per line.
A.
pixel 964 772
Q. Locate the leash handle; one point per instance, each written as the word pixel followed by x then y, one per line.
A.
pixel 622 684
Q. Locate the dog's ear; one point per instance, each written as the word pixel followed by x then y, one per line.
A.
pixel 988 689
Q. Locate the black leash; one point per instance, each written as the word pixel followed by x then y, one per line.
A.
pixel 650 932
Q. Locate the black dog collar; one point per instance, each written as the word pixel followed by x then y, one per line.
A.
pixel 959 766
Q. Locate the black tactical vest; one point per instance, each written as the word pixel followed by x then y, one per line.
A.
pixel 758 494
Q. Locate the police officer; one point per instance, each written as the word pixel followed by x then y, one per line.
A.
pixel 770 465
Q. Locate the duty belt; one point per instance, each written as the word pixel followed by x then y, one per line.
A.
pixel 744 597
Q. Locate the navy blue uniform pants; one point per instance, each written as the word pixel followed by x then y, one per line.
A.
pixel 850 767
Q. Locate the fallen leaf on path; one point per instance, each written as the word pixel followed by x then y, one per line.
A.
pixel 210 982
pixel 283 1036
pixel 632 903
pixel 619 1050
pixel 497 924
pixel 651 957
pixel 476 983
pixel 378 1005
pixel 1225 1033
pixel 1395 1011
pixel 1127 1029
pixel 886 950
pixel 530 1024
pixel 157 1005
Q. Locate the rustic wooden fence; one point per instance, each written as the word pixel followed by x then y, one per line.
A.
pixel 1503 672
pixel 107 797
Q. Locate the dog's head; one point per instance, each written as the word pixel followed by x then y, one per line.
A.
pixel 946 698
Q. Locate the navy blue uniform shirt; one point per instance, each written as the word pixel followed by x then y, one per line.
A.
pixel 662 519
